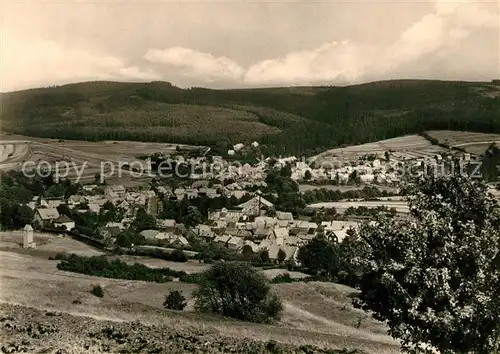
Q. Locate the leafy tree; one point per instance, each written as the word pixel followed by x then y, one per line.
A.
pixel 129 237
pixel 175 301
pixel 435 279
pixel 237 290
pixel 24 215
pixel 320 256
pixel 307 175
pixel 247 252
pixel 281 255
pixel 178 255
pixel 193 216
pixel 263 256
pixel 143 221
pixel 63 209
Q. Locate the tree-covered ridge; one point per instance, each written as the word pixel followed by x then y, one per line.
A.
pixel 299 120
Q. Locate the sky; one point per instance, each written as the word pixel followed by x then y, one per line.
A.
pixel 233 44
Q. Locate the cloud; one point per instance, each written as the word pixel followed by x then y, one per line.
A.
pixel 34 63
pixel 446 39
pixel 194 64
pixel 341 62
pixel 435 37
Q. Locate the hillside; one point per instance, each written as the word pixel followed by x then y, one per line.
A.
pixel 300 120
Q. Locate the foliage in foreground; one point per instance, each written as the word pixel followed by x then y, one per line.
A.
pixel 237 290
pixel 436 280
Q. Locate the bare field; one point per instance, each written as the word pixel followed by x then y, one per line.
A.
pixel 36 282
pixel 47 244
pixel 474 143
pixel 403 144
pixel 79 156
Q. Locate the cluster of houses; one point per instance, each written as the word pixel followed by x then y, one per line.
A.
pixel 374 171
pixel 248 225
pixel 46 213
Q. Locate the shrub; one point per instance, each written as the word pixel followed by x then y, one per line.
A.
pixel 283 278
pixel 175 301
pixel 97 291
pixel 100 266
pixel 178 256
pixel 237 290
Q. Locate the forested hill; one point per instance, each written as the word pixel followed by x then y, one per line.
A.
pixel 299 120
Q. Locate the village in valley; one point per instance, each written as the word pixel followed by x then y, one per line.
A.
pixel 256 208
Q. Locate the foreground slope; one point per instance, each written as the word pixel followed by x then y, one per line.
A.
pixel 296 120
pixel 318 314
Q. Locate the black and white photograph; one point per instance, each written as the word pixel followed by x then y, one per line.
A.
pixel 252 176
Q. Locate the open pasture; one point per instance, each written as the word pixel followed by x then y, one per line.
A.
pixel 318 314
pixel 412 146
pixel 474 143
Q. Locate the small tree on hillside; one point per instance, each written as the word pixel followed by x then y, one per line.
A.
pixel 175 301
pixel 435 279
pixel 237 290
pixel 320 256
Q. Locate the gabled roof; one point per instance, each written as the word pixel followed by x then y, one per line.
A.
pixel 282 215
pixel 254 203
pixel 235 240
pixel 166 223
pixel 63 219
pixel 281 232
pixel 28 228
pixel 150 234
pixel 48 213
pixel 223 238
pixel 255 247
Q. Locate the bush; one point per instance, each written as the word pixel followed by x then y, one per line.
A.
pixel 283 278
pixel 193 278
pixel 175 301
pixel 237 290
pixel 100 266
pixel 178 256
pixel 97 291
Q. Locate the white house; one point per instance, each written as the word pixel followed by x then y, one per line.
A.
pixel 255 144
pixel 65 221
pixel 238 147
pixel 235 243
pixel 231 152
pixel 368 178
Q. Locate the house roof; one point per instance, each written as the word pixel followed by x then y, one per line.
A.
pixel 292 240
pixel 180 239
pixel 282 215
pixel 254 203
pixel 150 234
pixel 223 238
pixel 235 240
pixel 166 223
pixel 281 232
pixel 63 219
pixel 255 247
pixel 48 213
pixel 28 228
